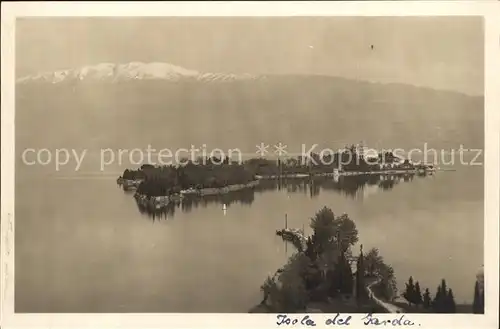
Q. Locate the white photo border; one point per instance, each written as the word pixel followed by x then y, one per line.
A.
pixel 489 10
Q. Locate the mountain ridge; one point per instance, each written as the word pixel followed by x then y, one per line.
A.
pixel 132 71
pixel 117 72
pixel 170 105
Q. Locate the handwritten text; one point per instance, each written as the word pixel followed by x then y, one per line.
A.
pixel 371 319
pixel 344 320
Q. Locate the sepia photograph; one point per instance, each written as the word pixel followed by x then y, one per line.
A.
pixel 250 164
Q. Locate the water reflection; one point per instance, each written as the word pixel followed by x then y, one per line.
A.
pixel 245 197
pixel 356 187
pixel 350 186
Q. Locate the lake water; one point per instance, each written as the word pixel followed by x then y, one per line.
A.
pixel 82 245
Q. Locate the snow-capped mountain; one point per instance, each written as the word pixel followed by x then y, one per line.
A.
pixel 140 104
pixel 131 71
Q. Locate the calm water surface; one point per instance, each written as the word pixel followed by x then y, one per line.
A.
pixel 82 245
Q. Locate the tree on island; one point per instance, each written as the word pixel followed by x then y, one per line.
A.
pixel 207 173
pixel 478 303
pixel 409 293
pixel 427 299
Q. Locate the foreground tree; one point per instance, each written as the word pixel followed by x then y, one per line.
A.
pixel 409 293
pixel 287 292
pixel 387 286
pixel 322 267
pixel 331 236
pixel 417 298
pixel 337 233
pixel 478 303
pixel 267 289
pixel 346 232
pixel 311 248
pixel 451 307
pixel 324 229
pixel 347 284
pixel 360 276
pixel 427 299
pixel 341 277
pixel 438 301
pixel 444 301
pixel 372 261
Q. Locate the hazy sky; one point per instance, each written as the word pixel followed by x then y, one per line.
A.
pixel 443 53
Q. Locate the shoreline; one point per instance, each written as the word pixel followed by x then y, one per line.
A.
pixel 162 201
pixel 159 201
pixel 347 173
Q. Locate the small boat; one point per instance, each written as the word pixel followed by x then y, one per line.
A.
pixel 224 207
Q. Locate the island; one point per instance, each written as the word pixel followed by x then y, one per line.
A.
pixel 157 186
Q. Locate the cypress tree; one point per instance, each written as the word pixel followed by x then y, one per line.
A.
pixel 418 295
pixel 478 304
pixel 335 279
pixel 346 284
pixel 409 293
pixel 481 300
pixel 310 250
pixel 341 277
pixel 475 303
pixel 444 288
pixel 427 299
pixel 451 306
pixel 442 302
pixel 444 305
pixel 360 276
pixel 436 303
